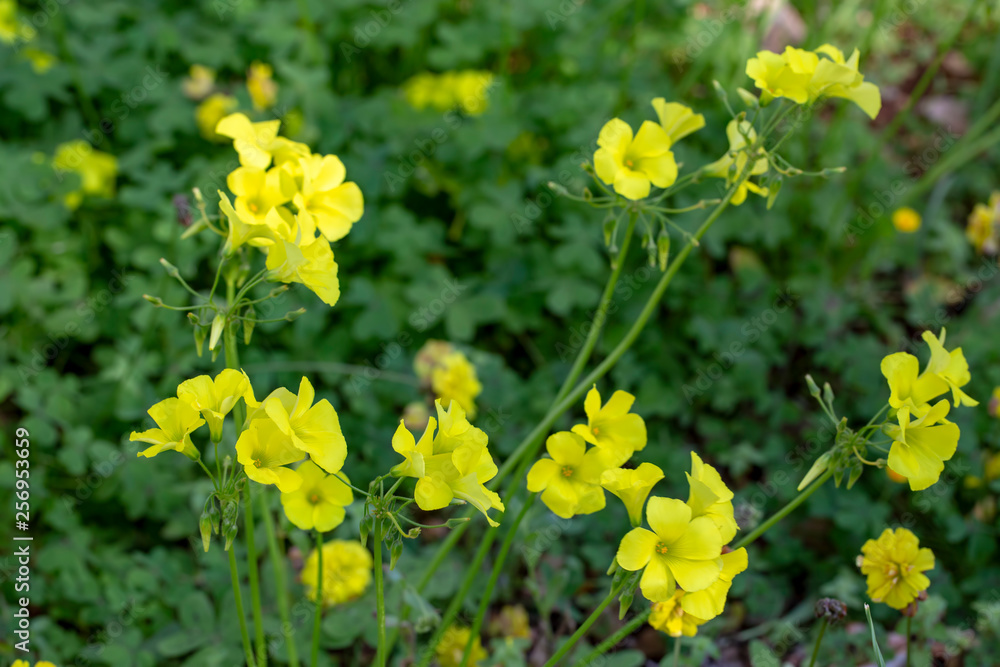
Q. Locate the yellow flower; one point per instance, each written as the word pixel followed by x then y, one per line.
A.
pixel 454 379
pixel 347 571
pixel 511 623
pixel 422 91
pixel 451 648
pixel 334 204
pixel 470 91
pixel 921 446
pixel 13 29
pixel 313 428
pixel 254 142
pixel 668 616
pixel 679 551
pixel 945 370
pixel 319 503
pixel 981 228
pixel 612 427
pixel 97 170
pixel 25 663
pixel 709 496
pixel 951 367
pixel 632 487
pixel 41 61
pixel 677 120
pixel 711 602
pixel 175 421
pixel 215 398
pixel 466 90
pixel 429 356
pixel 906 220
pixel 837 77
pixel 261 86
pixel 732 164
pixel 453 464
pixel 264 452
pixel 895 566
pixel 772 74
pixel 199 83
pixel 312 265
pixel 240 231
pixel 570 481
pixel 258 191
pixel 630 164
pixel 213 109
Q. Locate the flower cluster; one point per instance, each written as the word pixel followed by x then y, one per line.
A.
pixel 448 374
pixel 347 572
pixel 467 90
pixel 97 170
pixel 807 76
pixel 289 203
pixel 983 224
pixel 741 136
pixel 923 439
pixel 894 565
pixel 451 461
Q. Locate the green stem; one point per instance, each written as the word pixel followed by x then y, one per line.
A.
pixel 258 616
pixel 318 616
pixel 484 601
pixel 784 511
pixel 909 621
pixel 380 655
pixel 582 630
pixel 819 640
pixel 278 561
pixel 613 640
pixel 238 597
pixel 677 651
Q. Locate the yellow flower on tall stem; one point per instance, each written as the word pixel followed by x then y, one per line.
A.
pixel 333 204
pixel 175 420
pixel 630 163
pixel 319 503
pixel 570 481
pixel 632 486
pixel 894 565
pixel 216 398
pixel 921 446
pixel 313 428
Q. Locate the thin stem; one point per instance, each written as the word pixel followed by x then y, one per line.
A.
pixel 344 481
pixel 379 594
pixel 784 511
pixel 677 651
pixel 318 616
pixel 909 621
pixel 613 640
pixel 258 616
pixel 594 615
pixel 819 640
pixel 278 561
pixel 238 597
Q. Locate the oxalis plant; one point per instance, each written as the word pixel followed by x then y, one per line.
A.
pixel 289 205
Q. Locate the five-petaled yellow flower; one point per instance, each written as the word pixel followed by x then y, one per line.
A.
pixel 632 486
pixel 319 503
pixel 175 420
pixel 216 398
pixel 709 496
pixel 570 481
pixel 679 551
pixel 895 565
pixel 612 427
pixel 630 163
pixel 265 453
pixel 921 446
pixel 946 370
pixel 311 427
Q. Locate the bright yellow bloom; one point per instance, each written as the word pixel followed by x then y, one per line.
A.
pixel 313 428
pixel 347 571
pixel 319 503
pixel 454 379
pixel 213 109
pixel 732 164
pixel 679 551
pixel 951 367
pixel 632 487
pixel 982 225
pixel 265 452
pixel 612 427
pixel 668 616
pixel 258 191
pixel 215 398
pixel 921 446
pixel 97 170
pixel 709 496
pixel 945 370
pixel 312 265
pixel 631 163
pixel 772 74
pixel 25 663
pixel 906 220
pixel 453 464
pixel 175 421
pixel 451 648
pixel 895 566
pixel 240 231
pixel 334 204
pixel 254 142
pixel 570 481
pixel 261 86
pixel 838 77
pixel 199 83
pixel 711 602
pixel 677 120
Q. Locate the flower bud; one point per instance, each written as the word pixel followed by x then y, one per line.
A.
pixel 813 388
pixel 832 610
pixel 218 324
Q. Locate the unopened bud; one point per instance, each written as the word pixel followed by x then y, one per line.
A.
pixel 832 610
pixel 155 300
pixel 813 388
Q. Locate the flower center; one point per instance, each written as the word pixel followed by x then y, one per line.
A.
pixel 628 163
pixel 256 463
pixel 661 548
pixel 252 207
pixel 567 471
pixel 596 430
pixel 314 498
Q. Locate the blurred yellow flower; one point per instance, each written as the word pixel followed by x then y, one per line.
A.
pixel 981 229
pixel 319 503
pixel 97 170
pixel 668 616
pixel 213 109
pixel 216 398
pixel 511 623
pixel 630 163
pixel 679 551
pixel 906 220
pixel 12 28
pixel 894 565
pixel 199 83
pixel 921 446
pixel 632 487
pixel 451 648
pixel 570 481
pixel 612 427
pixel 467 90
pixel 709 496
pixel 454 379
pixel 175 421
pixel 261 86
pixel 41 61
pixel 347 571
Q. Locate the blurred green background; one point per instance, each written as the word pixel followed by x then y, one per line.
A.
pixel 119 577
